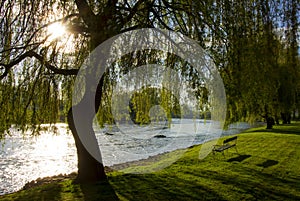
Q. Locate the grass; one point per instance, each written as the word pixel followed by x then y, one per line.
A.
pixel 267 167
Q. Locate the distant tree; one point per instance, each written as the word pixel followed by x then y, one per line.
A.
pixel 289 89
pixel 142 101
pixel 252 66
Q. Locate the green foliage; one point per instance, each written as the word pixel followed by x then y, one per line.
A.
pixel 144 100
pixel 136 107
pixel 29 99
pixel 260 77
pixel 253 43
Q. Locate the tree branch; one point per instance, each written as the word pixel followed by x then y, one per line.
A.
pixel 161 20
pixel 48 65
pixel 53 68
pixel 85 12
pixel 133 11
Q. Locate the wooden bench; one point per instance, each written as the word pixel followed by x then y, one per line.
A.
pixel 227 144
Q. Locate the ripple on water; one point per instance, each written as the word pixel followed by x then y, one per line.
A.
pixel 24 158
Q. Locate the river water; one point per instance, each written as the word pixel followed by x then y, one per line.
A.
pixel 24 158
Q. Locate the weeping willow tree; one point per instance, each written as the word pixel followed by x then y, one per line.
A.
pixel 147 98
pixel 251 54
pixel 290 61
pixel 39 63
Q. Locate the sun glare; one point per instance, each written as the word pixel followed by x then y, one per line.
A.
pixel 58 33
pixel 56 30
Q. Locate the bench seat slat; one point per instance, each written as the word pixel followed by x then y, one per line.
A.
pixel 227 143
pixel 224 147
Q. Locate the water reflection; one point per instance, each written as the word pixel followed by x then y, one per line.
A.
pixel 24 158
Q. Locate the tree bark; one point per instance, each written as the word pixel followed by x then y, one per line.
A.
pixel 270 122
pixel 89 169
pixel 286 117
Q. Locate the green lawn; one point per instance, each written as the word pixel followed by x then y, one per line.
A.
pixel 266 168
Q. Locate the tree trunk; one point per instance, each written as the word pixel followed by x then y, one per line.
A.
pixel 276 120
pixel 270 122
pixel 286 117
pixel 89 169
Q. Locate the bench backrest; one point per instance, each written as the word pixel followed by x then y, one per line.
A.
pixel 230 139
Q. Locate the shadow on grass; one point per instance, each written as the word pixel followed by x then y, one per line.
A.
pixel 268 163
pixel 49 192
pixel 98 191
pixel 281 129
pixel 252 184
pixel 157 187
pixel 239 158
pixel 206 185
pixel 68 190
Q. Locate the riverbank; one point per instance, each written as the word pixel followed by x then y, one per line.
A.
pixel 266 168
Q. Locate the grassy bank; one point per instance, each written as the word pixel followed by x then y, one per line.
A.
pixel 266 168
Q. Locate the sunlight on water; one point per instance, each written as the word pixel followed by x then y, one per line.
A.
pixel 25 158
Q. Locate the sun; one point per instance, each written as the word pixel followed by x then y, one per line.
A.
pixel 57 33
pixel 56 30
